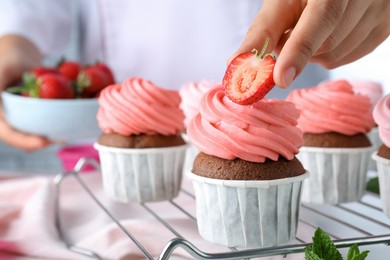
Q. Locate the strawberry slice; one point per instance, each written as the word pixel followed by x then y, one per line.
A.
pixel 249 77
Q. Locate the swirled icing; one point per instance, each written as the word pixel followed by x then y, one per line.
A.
pixel 373 90
pixel 253 133
pixel 191 94
pixel 137 106
pixel 332 107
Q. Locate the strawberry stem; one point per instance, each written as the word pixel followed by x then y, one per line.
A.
pixel 262 52
pixel 264 47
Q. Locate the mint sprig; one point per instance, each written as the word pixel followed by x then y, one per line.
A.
pixel 323 248
pixel 354 253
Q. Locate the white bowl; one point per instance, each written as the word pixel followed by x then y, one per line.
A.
pixel 58 119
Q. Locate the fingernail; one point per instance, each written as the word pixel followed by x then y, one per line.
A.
pixel 288 77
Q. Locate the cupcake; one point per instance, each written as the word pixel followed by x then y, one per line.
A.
pixel 191 93
pixel 382 156
pixel 336 150
pixel 141 149
pixel 374 91
pixel 246 177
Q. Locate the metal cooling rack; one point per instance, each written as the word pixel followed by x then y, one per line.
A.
pixel 343 218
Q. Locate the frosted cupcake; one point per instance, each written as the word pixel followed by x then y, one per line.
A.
pixel 374 91
pixel 382 156
pixel 247 180
pixel 191 94
pixel 336 149
pixel 141 149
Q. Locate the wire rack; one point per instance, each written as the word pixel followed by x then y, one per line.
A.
pixel 353 218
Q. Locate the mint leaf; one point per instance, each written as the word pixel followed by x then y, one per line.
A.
pixel 323 246
pixel 309 255
pixel 354 253
pixel 373 185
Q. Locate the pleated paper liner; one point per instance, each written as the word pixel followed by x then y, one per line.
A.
pixel 375 140
pixel 141 175
pixel 238 213
pixel 337 175
pixel 383 166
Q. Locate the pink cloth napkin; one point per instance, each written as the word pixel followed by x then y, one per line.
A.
pixel 27 221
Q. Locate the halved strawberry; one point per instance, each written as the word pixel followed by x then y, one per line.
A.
pixel 249 77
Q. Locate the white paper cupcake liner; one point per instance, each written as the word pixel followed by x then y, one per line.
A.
pixel 247 213
pixel 337 175
pixel 141 175
pixel 191 153
pixel 376 142
pixel 383 166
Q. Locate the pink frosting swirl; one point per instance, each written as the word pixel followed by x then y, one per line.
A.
pixel 373 90
pixel 382 118
pixel 253 133
pixel 191 94
pixel 137 106
pixel 332 107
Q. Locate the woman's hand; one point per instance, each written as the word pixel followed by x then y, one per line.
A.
pixel 17 55
pixel 329 32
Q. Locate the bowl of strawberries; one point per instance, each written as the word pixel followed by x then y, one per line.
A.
pixel 58 102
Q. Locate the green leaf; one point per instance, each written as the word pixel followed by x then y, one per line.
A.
pixel 373 185
pixel 354 253
pixel 309 255
pixel 323 246
pixel 362 255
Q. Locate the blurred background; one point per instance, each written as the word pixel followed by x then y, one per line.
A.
pixel 373 67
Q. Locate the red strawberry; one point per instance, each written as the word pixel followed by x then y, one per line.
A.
pixel 30 76
pixel 91 81
pixel 103 67
pixel 249 77
pixel 69 69
pixel 39 71
pixel 52 86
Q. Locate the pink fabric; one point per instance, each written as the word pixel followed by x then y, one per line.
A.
pixel 138 106
pixel 332 107
pixel 382 118
pixel 191 94
pixel 27 221
pixel 253 133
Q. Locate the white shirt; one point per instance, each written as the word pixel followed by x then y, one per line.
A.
pixel 168 42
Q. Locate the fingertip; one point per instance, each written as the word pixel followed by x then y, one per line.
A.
pixel 284 77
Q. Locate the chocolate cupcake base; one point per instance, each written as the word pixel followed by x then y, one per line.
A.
pixel 335 140
pixel 217 168
pixel 140 141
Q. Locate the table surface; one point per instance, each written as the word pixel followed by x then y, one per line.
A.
pixel 359 219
